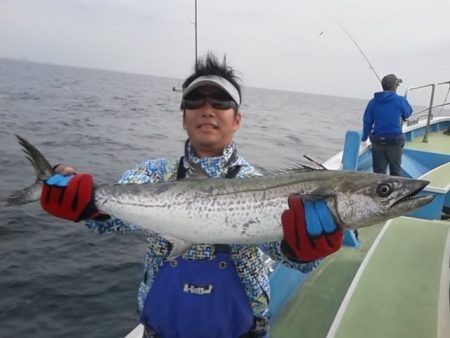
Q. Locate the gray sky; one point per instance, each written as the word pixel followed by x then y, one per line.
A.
pixel 274 44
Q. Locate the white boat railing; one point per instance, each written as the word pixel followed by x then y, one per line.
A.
pixel 428 112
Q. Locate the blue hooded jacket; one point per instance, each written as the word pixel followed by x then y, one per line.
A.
pixel 383 115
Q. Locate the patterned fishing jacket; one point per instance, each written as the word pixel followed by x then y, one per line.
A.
pixel 248 259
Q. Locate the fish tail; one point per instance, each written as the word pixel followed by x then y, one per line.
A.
pixel 43 170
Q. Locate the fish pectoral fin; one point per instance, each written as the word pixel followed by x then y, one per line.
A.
pixel 178 247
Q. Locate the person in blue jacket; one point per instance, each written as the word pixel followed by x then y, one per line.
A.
pixel 211 290
pixel 382 123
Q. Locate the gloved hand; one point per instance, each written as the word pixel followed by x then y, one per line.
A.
pixel 310 231
pixel 69 197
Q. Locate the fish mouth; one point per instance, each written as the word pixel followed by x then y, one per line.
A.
pixel 412 196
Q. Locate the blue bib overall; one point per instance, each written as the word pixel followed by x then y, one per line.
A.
pixel 198 299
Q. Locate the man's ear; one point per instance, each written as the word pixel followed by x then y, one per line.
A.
pixel 237 121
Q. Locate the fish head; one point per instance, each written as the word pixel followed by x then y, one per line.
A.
pixel 366 199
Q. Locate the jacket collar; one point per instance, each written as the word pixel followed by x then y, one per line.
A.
pixel 213 166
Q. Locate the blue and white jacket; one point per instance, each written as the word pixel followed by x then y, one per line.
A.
pixel 248 259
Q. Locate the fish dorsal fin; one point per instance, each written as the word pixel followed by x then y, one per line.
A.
pixel 178 247
pixel 298 169
pixel 319 165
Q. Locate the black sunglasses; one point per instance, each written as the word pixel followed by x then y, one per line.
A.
pixel 219 101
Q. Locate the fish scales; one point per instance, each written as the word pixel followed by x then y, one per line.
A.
pixel 241 210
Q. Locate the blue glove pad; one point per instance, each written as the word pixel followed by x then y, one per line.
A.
pixel 59 180
pixel 310 231
pixel 318 218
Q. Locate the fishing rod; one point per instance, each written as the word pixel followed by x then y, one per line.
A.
pixel 359 48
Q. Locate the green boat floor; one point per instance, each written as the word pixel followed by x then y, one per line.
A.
pixel 439 177
pixel 312 309
pixel 395 297
pixel 437 141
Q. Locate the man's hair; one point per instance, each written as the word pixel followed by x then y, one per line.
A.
pixel 390 82
pixel 388 87
pixel 211 65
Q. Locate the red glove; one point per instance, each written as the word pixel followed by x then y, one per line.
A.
pixel 309 233
pixel 69 197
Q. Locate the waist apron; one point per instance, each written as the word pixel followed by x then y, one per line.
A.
pixel 198 299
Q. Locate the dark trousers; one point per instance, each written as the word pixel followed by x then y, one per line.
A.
pixel 384 154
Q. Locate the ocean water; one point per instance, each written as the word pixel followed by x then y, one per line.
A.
pixel 57 279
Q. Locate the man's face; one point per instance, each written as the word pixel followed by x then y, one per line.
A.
pixel 210 128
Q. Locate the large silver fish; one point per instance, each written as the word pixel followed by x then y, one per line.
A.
pixel 246 210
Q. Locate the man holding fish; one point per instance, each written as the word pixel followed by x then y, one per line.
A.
pixel 204 290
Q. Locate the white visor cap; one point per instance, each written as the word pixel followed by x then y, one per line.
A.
pixel 214 81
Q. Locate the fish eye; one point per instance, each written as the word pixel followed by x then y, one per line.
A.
pixel 384 189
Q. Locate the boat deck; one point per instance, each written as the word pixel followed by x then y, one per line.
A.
pixel 438 142
pixel 403 282
pixel 392 290
pixel 313 308
pixel 439 178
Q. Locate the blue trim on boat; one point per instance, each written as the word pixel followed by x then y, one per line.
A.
pixel 350 239
pixel 351 159
pixel 440 190
pixel 283 284
pixel 416 163
pixel 351 150
pixel 432 210
pixel 441 126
